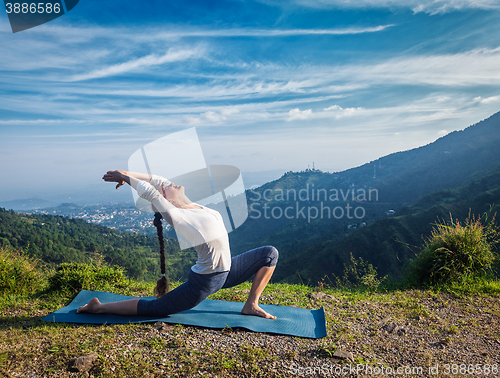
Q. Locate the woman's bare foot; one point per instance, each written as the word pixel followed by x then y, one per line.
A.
pixel 255 310
pixel 92 307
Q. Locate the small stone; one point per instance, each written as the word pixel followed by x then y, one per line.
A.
pixel 83 363
pixel 342 355
pixel 383 321
pixel 322 296
pixel 440 344
pixel 390 327
pixel 162 327
pixel 158 325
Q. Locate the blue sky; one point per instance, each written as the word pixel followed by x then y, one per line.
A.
pixel 268 84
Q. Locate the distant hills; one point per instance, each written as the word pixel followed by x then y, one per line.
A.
pixel 404 177
pixel 27 204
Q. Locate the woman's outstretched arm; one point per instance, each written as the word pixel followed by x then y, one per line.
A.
pixel 155 180
pixel 140 176
pixel 145 190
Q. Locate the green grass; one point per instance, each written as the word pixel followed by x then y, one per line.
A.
pixel 19 274
pixel 327 349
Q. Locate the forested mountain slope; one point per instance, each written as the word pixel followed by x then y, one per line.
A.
pixel 390 242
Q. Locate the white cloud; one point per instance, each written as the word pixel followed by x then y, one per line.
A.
pixel 442 132
pixel 146 61
pixel 251 32
pixel 241 81
pixel 417 6
pixel 295 114
pixel 262 92
pixel 337 112
pixel 475 67
pixel 487 100
pixel 228 112
pixel 445 6
pixel 470 68
pixel 211 117
pixel 13 122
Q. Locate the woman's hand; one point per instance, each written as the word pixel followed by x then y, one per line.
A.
pixel 118 176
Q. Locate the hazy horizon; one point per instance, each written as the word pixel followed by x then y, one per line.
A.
pixel 108 193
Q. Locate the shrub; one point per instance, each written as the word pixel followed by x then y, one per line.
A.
pixel 18 272
pixel 456 253
pixel 359 274
pixel 73 277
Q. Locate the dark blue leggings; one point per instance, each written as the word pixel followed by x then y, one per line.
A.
pixel 200 286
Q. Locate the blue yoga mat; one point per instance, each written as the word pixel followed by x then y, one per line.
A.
pixel 209 313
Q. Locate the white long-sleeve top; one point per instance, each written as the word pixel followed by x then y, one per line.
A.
pixel 203 228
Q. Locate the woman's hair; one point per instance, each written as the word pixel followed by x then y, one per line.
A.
pixel 162 285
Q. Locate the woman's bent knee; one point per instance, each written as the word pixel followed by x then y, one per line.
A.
pixel 273 256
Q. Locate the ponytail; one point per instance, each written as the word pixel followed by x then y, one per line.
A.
pixel 162 285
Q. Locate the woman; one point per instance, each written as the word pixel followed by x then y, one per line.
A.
pixel 214 269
